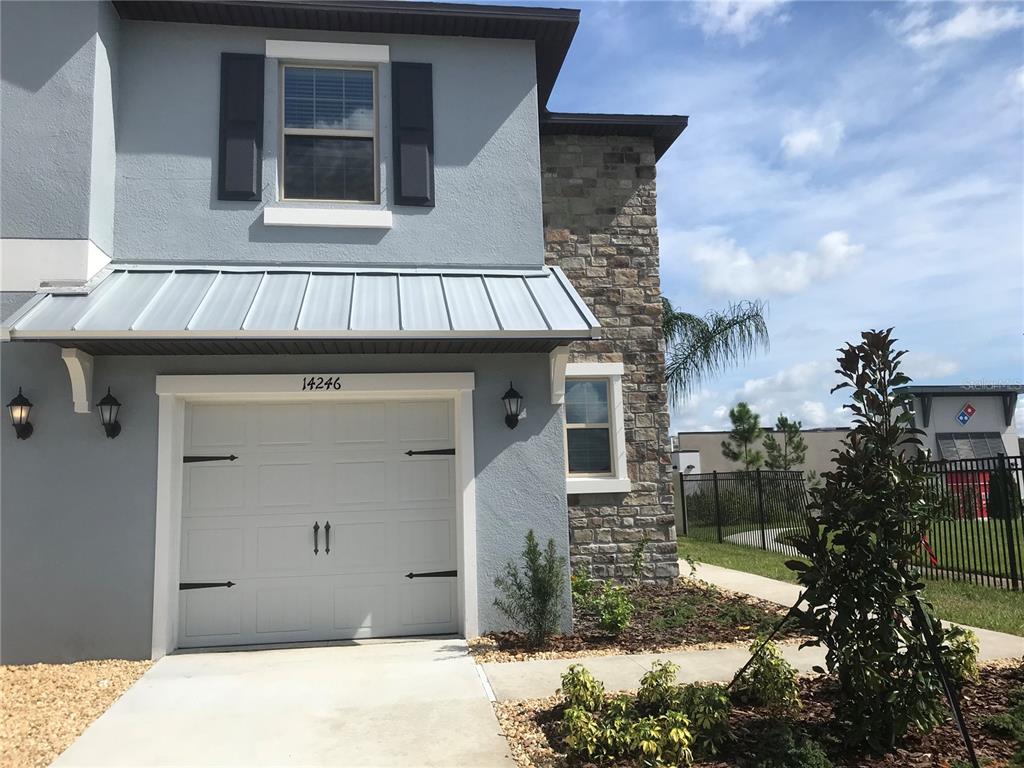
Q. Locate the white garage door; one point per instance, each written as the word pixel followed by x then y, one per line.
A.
pixel 317 522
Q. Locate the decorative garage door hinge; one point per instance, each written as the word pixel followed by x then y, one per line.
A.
pixel 434 452
pixel 196 459
pixel 430 574
pixel 205 584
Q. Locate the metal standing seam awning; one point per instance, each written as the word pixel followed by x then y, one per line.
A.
pixel 143 309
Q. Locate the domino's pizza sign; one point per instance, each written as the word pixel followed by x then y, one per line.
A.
pixel 965 414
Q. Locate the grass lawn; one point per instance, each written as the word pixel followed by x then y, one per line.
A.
pixel 977 546
pixel 998 609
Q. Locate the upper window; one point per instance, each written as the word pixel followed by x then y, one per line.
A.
pixel 588 428
pixel 329 142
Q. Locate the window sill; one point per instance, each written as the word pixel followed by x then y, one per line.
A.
pixel 288 216
pixel 598 485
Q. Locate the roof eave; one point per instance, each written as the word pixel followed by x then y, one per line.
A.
pixel 662 129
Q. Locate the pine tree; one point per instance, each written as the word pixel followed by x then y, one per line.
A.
pixel 789 449
pixel 746 433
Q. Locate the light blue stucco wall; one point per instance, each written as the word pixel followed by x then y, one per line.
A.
pixel 48 67
pixel 77 510
pixel 487 157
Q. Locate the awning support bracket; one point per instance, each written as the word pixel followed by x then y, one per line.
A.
pixel 80 366
pixel 558 359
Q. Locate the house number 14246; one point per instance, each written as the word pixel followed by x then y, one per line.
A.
pixel 319 383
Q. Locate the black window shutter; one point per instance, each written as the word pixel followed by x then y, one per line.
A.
pixel 412 102
pixel 240 171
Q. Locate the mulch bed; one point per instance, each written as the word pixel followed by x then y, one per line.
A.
pixel 45 707
pixel 533 729
pixel 684 613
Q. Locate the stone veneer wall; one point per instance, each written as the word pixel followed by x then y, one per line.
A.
pixel 600 227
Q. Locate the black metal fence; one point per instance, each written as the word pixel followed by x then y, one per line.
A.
pixel 978 537
pixel 754 509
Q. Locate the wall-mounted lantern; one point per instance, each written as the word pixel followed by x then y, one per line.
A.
pixel 20 407
pixel 513 407
pixel 108 408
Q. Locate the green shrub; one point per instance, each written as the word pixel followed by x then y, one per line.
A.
pixel 613 608
pixel 581 689
pixel 960 654
pixel 658 691
pixel 637 565
pixel 864 532
pixel 739 614
pixel 1010 724
pixel 603 730
pixel 676 614
pixel 769 682
pixel 533 601
pixel 781 748
pixel 707 707
pixel 582 587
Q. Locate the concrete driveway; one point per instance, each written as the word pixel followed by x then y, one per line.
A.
pixel 383 703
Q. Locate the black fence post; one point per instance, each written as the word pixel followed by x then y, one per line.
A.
pixel 718 508
pixel 1008 492
pixel 760 510
pixel 682 506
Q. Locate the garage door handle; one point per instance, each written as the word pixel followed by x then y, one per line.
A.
pixel 316 538
pixel 327 537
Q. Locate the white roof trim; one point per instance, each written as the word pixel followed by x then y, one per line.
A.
pixel 536 304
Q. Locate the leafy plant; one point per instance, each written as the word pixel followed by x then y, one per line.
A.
pixel 613 608
pixel 789 449
pixel 769 681
pixel 780 747
pixel 960 654
pixel 533 601
pixel 707 707
pixel 649 731
pixel 674 615
pixel 637 565
pixel 701 347
pixel 745 434
pixel 738 614
pixel 581 689
pixel 865 527
pixel 582 587
pixel 1010 724
pixel 658 692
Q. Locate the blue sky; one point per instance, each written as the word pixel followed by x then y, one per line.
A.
pixel 856 164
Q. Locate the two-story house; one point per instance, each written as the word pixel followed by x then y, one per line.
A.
pixel 313 310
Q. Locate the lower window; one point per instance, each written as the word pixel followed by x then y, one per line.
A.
pixel 317 168
pixel 595 438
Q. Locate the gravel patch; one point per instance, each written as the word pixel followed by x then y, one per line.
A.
pixel 47 706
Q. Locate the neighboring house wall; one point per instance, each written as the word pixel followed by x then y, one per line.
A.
pixel 821 445
pixel 600 227
pixel 76 563
pixel 988 417
pixel 487 177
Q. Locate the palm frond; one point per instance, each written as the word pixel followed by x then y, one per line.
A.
pixel 701 347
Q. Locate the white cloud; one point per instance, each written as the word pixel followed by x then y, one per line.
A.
pixel 728 269
pixel 796 378
pixel 813 140
pixel 921 366
pixel 1018 79
pixel 975 21
pixel 743 19
pixel 813 413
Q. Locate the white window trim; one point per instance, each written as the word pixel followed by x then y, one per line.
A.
pixel 309 216
pixel 304 50
pixel 618 481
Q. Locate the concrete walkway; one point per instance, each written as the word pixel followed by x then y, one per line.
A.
pixel 992 645
pixel 398 703
pixel 541 677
